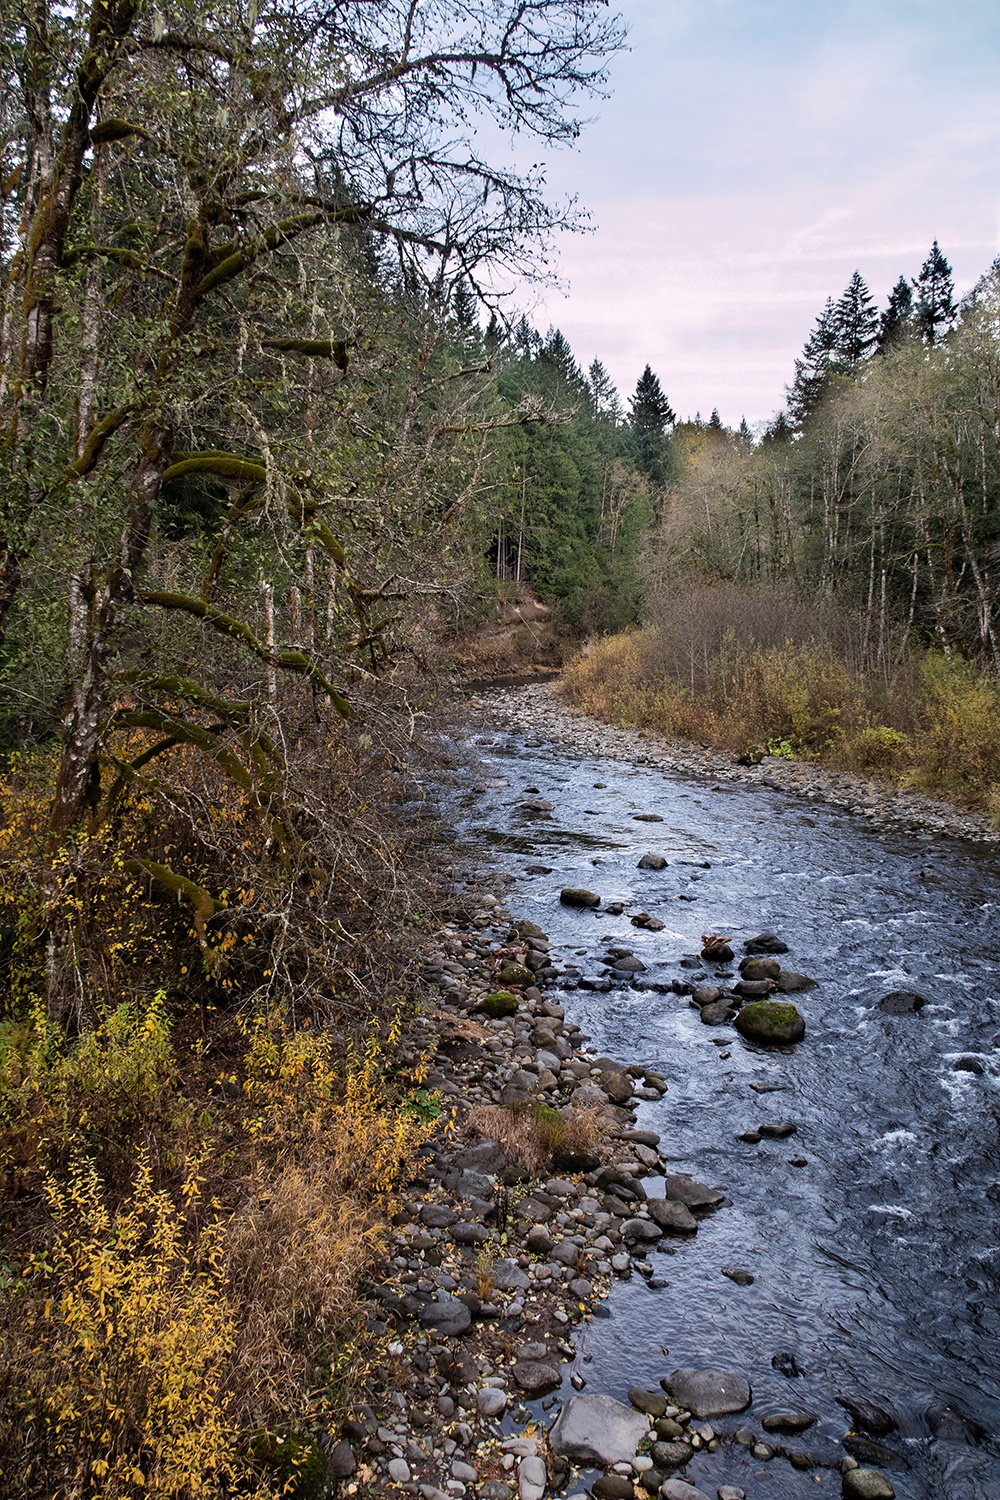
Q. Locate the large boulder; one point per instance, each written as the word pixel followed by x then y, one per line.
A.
pixel 672 1216
pixel 765 942
pixel 759 968
pixel 514 976
pixel 500 1003
pixel 902 1003
pixel 708 1393
pixel 598 1430
pixel 771 1023
pixel 652 862
pixel 697 1196
pixel 572 895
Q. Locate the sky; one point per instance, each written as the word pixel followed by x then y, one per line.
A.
pixel 752 154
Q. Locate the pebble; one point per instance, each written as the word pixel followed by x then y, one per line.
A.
pixel 399 1471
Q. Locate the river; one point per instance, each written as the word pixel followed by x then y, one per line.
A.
pixel 876 1263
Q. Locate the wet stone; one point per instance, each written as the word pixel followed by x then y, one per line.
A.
pixel 652 862
pixel 866 1484
pixel 578 896
pixel 653 1403
pixel 788 1421
pixel 902 1003
pixel 708 1393
pixel 535 1378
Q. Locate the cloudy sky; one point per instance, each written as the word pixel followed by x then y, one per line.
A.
pixel 753 153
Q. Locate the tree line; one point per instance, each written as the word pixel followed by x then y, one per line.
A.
pixel 878 483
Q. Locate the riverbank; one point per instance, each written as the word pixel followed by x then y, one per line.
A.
pixel 541 709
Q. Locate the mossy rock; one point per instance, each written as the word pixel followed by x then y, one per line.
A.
pixel 771 1023
pixel 760 967
pixel 573 895
pixel 294 1465
pixel 515 975
pixel 526 929
pixel 503 1003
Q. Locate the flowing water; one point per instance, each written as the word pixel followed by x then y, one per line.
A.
pixel 876 1264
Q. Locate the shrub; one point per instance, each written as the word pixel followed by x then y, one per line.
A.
pixel 532 1133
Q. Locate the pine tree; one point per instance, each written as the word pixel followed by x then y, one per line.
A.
pixel 896 323
pixel 856 323
pixel 557 357
pixel 715 421
pixel 604 394
pixel 464 310
pixel 812 372
pixel 936 310
pixel 651 415
pixel 743 432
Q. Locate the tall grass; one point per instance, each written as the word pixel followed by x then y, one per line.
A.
pixel 759 672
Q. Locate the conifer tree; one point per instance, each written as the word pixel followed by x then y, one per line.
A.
pixel 651 415
pixel 856 323
pixel 715 421
pixel 743 432
pixel 935 311
pixel 812 371
pixel 897 320
pixel 604 394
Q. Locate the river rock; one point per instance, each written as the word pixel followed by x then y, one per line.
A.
pixel 866 1484
pixel 754 989
pixel 628 964
pixel 508 1276
pixel 447 1316
pixel 597 1429
pixel 717 951
pixel 612 1487
pixel 641 1229
pixel 672 1216
pixel 652 862
pixel 536 805
pixel 646 818
pixel 500 1003
pixel 491 1402
pixel 670 1455
pixel 867 1451
pixel 694 1195
pixel 653 1403
pixel 532 1478
pixel 765 942
pixel 437 1216
pixel 572 895
pixel 470 1234
pixel 515 975
pixel 536 1378
pixel 679 1489
pixel 771 1023
pixel 706 994
pixel 902 1003
pixel 790 983
pixel 342 1461
pixel 589 1096
pixel 708 1393
pixel 867 1416
pixel 788 1421
pixel 778 1130
pixel 717 1014
pixel 759 967
pixel 617 1086
pixel 399 1471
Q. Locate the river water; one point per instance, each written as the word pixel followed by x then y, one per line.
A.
pixel 876 1264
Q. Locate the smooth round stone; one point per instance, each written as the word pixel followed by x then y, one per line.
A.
pixel 709 1393
pixel 490 1403
pixel 399 1471
pixel 867 1484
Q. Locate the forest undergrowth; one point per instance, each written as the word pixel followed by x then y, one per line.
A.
pixel 767 671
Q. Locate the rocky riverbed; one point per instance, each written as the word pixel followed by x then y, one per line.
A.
pixel 498 1256
pixel 540 708
pixel 549 1246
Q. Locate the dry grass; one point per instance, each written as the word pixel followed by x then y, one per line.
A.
pixel 716 670
pixel 532 1134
